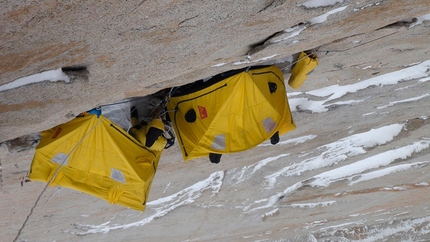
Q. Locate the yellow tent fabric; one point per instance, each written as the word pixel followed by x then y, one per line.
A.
pixel 232 114
pixel 303 67
pixel 92 155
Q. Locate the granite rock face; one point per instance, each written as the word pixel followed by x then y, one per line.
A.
pixel 115 50
pixel 120 49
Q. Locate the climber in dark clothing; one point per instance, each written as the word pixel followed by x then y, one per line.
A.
pixel 149 134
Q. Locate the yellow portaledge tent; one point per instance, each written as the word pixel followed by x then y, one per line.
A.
pixel 231 112
pixel 92 155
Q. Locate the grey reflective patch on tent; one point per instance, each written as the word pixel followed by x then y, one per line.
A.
pixel 117 175
pixel 269 125
pixel 219 142
pixel 61 159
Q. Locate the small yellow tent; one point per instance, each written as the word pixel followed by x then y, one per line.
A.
pixel 231 112
pixel 92 155
pixel 305 64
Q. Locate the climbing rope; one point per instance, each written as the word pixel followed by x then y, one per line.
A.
pixel 370 41
pixel 313 52
pixel 310 54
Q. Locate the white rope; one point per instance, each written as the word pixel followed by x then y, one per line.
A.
pixel 306 55
pixel 370 41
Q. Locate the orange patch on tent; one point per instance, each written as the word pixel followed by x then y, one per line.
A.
pixel 56 133
pixel 203 112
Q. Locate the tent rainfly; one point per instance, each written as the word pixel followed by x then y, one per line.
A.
pixel 231 112
pixel 92 155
